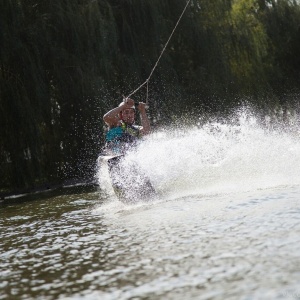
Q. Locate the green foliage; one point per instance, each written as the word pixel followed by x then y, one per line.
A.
pixel 63 63
pixel 249 44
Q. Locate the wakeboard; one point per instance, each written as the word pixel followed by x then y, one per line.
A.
pixel 129 182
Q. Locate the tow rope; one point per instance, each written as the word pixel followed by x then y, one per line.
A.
pixel 163 50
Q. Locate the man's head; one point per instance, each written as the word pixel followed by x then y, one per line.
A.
pixel 128 115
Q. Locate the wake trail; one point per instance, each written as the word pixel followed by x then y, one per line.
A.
pixel 221 157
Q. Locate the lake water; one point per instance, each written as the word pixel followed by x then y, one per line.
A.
pixel 225 226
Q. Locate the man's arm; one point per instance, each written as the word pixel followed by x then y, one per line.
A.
pixel 111 118
pixel 144 118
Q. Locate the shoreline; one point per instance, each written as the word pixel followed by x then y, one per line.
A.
pixel 72 183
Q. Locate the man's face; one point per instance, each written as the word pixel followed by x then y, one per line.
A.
pixel 128 116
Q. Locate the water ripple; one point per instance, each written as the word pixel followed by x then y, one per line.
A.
pixel 213 246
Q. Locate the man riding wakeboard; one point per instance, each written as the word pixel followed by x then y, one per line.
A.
pixel 128 182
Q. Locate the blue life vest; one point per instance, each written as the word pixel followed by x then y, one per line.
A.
pixel 113 133
pixel 120 139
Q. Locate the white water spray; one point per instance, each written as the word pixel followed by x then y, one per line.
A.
pixel 220 158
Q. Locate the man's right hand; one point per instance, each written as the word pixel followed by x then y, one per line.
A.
pixel 128 102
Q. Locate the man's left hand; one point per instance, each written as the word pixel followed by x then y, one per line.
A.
pixel 142 107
